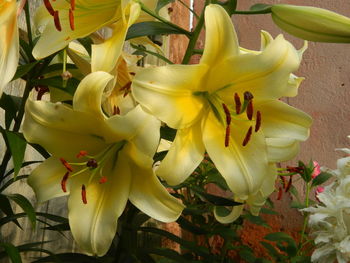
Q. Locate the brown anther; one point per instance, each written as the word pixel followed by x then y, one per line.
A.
pixel 248 96
pixel 41 91
pixel 67 165
pixel 83 194
pixel 116 110
pixel 250 110
pixel 72 4
pixel 56 19
pixel 280 192
pixel 103 180
pixel 92 163
pixel 238 103
pixel 66 75
pixel 81 154
pixel 227 136
pixel 247 136
pixel 49 7
pixel 64 182
pixel 132 73
pixel 258 121
pixel 126 86
pixel 71 19
pixel 289 185
pixel 283 181
pixel 227 113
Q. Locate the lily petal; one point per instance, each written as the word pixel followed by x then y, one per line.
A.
pixel 94 224
pixel 185 154
pixel 167 92
pixel 221 39
pixel 105 55
pixel 152 198
pixel 46 180
pixel 232 216
pixel 243 167
pixel 283 121
pixel 9 42
pixel 281 149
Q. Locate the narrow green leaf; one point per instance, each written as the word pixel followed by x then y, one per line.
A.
pixel 12 252
pixel 321 178
pixel 290 248
pixel 24 69
pixel 57 82
pixel 17 145
pixel 261 8
pixel 265 210
pixel 167 133
pixel 247 255
pixel 166 252
pixel 87 43
pixel 162 3
pixel 189 226
pixel 257 220
pixel 40 150
pixel 24 164
pixel 6 208
pixel 271 249
pixel 214 199
pixel 27 207
pixel 150 28
pixel 11 105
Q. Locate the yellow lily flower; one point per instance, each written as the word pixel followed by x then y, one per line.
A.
pixel 228 105
pixel 9 43
pixel 71 21
pixel 100 161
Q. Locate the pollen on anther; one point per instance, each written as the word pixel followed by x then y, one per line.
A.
pixel 71 19
pixel 56 19
pixel 116 110
pixel 250 110
pixel 81 154
pixel 49 7
pixel 83 194
pixel 247 136
pixel 227 136
pixel 227 113
pixel 258 121
pixel 103 179
pixel 64 182
pixel 238 103
pixel 72 4
pixel 92 163
pixel 66 164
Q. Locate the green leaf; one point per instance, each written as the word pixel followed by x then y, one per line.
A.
pixel 301 259
pixel 215 177
pixel 40 150
pixel 6 208
pixel 24 164
pixel 265 210
pixel 297 205
pixel 213 199
pixel 261 8
pixel 189 226
pixel 162 3
pixel 27 207
pixel 166 252
pixel 87 43
pixel 290 248
pixel 320 179
pixel 17 145
pixel 11 105
pixel 70 258
pixel 150 28
pixel 257 220
pixel 271 249
pixel 247 255
pixel 12 252
pixel 57 67
pixel 57 82
pixel 24 69
pixel 167 133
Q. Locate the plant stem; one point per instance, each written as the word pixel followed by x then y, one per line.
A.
pixel 151 13
pixel 194 37
pixel 306 216
pixel 29 27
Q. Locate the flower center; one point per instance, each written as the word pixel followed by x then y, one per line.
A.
pixel 56 17
pixel 93 164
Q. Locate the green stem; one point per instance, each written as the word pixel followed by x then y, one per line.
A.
pixel 258 12
pixel 306 216
pixel 190 9
pixel 151 13
pixel 194 37
pixel 16 127
pixel 29 27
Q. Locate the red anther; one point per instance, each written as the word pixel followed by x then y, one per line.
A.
pixel 103 180
pixel 227 113
pixel 116 110
pixel 56 19
pixel 258 121
pixel 83 194
pixel 250 110
pixel 67 165
pixel 127 86
pixel 247 136
pixel 289 185
pixel 248 96
pixel 41 91
pixel 92 163
pixel 72 4
pixel 49 7
pixel 81 154
pixel 132 73
pixel 293 169
pixel 227 136
pixel 280 192
pixel 238 103
pixel 283 181
pixel 64 182
pixel 71 19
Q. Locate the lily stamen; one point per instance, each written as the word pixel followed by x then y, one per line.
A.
pixel 103 180
pixel 116 110
pixel 83 194
pixel 227 113
pixel 71 19
pixel 238 103
pixel 227 136
pixel 72 4
pixel 81 154
pixel 49 7
pixel 56 19
pixel 250 110
pixel 258 121
pixel 247 136
pixel 66 164
pixel 64 182
pixel 92 163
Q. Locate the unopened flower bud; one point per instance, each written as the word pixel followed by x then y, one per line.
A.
pixel 312 23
